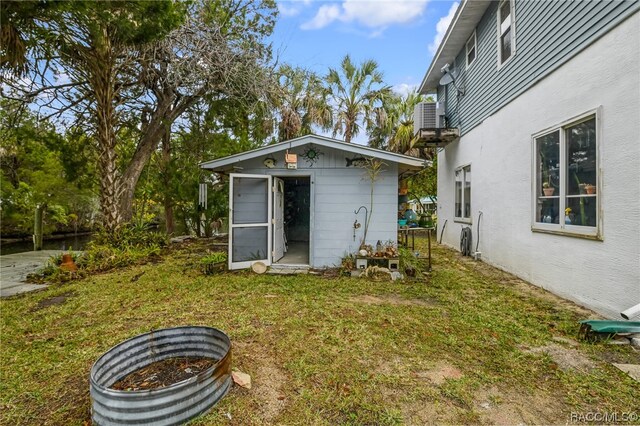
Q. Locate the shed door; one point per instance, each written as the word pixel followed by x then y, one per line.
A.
pixel 250 200
pixel 279 239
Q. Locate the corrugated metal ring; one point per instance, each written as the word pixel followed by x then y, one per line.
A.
pixel 170 405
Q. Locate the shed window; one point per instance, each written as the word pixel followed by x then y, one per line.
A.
pixel 505 31
pixel 471 49
pixel 566 178
pixel 463 193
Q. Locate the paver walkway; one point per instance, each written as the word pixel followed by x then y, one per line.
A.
pixel 14 269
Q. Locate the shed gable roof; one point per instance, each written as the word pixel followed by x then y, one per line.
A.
pixel 407 161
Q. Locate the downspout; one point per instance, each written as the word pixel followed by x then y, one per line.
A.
pixel 633 311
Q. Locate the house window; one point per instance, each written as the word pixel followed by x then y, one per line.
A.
pixel 471 49
pixel 463 193
pixel 505 31
pixel 566 178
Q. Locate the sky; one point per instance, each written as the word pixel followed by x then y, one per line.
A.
pixel 400 35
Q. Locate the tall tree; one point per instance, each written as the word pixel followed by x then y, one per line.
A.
pixel 356 92
pixel 218 53
pixel 135 67
pixel 302 103
pixel 91 45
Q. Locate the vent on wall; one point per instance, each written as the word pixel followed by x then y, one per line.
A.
pixel 428 115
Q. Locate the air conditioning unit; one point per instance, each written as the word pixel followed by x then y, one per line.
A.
pixel 428 115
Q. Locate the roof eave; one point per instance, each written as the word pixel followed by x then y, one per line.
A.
pixel 462 26
pixel 222 163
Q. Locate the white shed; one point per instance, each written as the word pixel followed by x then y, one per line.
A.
pixel 302 211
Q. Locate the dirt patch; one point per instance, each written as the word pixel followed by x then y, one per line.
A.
pixel 498 407
pixel 268 380
pixel 392 299
pixel 55 300
pixel 439 373
pixel 164 373
pixel 566 358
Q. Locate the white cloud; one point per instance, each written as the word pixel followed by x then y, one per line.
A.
pixel 404 89
pixel 325 15
pixel 288 10
pixel 371 14
pixel 441 28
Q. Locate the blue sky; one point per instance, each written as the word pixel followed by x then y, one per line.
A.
pixel 401 35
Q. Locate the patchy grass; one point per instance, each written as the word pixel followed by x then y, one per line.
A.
pixel 467 344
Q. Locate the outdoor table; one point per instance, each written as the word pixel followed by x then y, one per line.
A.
pixel 404 232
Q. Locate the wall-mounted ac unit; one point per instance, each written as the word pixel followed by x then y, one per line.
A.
pixel 428 115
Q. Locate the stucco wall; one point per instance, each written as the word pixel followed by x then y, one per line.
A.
pixel 336 192
pixel 603 275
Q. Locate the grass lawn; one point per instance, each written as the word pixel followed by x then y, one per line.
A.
pixel 467 344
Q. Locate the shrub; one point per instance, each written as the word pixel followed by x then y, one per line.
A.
pixel 128 245
pixel 214 262
pixel 212 258
pixel 409 263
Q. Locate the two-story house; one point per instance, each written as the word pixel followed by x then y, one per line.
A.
pixel 545 97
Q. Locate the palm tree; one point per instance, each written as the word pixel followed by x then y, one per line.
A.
pixel 302 103
pixel 356 93
pixel 394 128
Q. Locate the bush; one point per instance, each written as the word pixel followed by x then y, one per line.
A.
pixel 51 270
pixel 214 262
pixel 212 258
pixel 128 245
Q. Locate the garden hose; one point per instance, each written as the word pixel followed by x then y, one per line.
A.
pixel 442 232
pixel 478 231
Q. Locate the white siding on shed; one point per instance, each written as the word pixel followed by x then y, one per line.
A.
pixel 336 192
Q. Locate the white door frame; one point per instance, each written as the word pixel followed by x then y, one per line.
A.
pixel 267 224
pixel 279 244
pixel 311 176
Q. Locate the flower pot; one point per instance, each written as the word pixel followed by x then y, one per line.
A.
pixel 548 192
pixel 68 264
pixel 591 189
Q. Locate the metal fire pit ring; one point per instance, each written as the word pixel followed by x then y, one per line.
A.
pixel 170 405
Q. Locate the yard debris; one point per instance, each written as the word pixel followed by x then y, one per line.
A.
pixel 163 373
pixel 259 268
pixel 633 370
pixel 181 239
pixel 241 379
pixel 136 277
pixel 377 273
pixel 619 340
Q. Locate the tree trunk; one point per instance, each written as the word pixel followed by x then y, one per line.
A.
pixel 166 178
pixel 102 78
pixel 163 116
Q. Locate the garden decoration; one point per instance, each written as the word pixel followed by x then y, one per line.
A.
pixel 311 154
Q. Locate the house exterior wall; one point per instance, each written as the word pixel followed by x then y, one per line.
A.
pixel 547 34
pixel 603 275
pixel 337 192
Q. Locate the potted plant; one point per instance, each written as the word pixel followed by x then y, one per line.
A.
pixel 547 189
pixel 590 189
pixel 214 262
